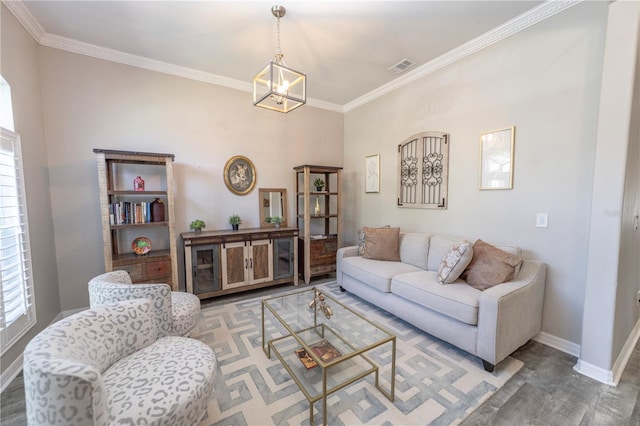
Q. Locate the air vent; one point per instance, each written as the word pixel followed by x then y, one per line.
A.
pixel 401 66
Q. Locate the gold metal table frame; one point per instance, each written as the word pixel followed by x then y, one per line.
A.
pixel 347 330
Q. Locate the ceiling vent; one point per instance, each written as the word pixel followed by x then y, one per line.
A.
pixel 401 66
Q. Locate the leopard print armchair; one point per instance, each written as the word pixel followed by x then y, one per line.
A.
pixel 107 366
pixel 176 312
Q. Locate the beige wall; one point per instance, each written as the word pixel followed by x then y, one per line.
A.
pixel 613 274
pixel 545 81
pixel 19 66
pixel 90 103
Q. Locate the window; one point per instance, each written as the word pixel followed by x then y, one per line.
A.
pixel 17 307
pixel 6 111
pixel 423 168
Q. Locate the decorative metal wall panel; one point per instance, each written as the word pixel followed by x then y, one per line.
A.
pixel 423 169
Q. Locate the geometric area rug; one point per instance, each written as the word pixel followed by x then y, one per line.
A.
pixel 436 383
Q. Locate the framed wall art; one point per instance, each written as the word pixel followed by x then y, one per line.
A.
pixel 372 173
pixel 496 159
pixel 239 175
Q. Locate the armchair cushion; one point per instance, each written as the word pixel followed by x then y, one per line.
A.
pixel 155 376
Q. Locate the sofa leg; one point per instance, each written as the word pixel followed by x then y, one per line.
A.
pixel 342 289
pixel 488 366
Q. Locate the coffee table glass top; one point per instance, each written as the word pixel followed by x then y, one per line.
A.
pixel 349 330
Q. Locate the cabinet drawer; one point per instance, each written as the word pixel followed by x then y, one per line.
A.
pixel 324 259
pixel 321 247
pixel 134 270
pixel 157 269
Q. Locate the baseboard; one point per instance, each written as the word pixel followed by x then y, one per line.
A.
pixel 612 377
pixel 595 372
pixel 556 342
pixel 10 373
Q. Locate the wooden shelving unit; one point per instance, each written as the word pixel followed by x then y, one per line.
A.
pixel 116 172
pixel 318 217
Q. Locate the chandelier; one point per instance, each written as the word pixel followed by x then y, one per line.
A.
pixel 278 87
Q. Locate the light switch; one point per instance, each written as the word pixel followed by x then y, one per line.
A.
pixel 542 220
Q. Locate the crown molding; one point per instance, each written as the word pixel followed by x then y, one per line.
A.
pixel 81 48
pixel 28 21
pixel 509 28
pixel 517 24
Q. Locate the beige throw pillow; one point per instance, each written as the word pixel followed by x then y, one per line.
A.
pixel 455 262
pixel 490 266
pixel 382 243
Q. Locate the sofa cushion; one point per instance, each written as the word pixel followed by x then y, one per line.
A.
pixel 490 266
pixel 455 262
pixel 166 383
pixel 375 273
pixel 414 249
pixel 458 300
pixel 382 243
pixel 439 246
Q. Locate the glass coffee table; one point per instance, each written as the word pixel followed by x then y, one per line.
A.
pixel 324 345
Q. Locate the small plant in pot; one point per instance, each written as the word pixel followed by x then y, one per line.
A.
pixel 276 220
pixel 319 184
pixel 197 225
pixel 234 221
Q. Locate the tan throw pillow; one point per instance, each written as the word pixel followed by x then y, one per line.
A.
pixel 381 243
pixel 490 266
pixel 455 262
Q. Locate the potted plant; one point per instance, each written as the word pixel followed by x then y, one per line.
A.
pixel 197 225
pixel 234 221
pixel 276 220
pixel 319 184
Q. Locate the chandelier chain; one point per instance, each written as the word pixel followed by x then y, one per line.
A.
pixel 279 54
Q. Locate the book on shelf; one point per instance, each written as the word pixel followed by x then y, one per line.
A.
pixel 305 358
pixel 318 237
pixel 325 350
pixel 126 212
pixel 322 349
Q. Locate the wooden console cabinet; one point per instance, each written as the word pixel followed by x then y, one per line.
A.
pixel 224 262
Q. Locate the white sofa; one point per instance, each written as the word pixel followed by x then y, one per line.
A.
pixel 490 324
pixel 107 366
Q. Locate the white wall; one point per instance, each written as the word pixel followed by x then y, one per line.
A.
pixel 613 274
pixel 545 81
pixel 19 66
pixel 90 103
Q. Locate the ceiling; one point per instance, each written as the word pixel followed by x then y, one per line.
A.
pixel 344 47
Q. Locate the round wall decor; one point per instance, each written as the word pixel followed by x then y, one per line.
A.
pixel 239 175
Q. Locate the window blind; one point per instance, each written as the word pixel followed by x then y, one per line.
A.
pixel 17 307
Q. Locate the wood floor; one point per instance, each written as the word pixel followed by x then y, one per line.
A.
pixel 545 392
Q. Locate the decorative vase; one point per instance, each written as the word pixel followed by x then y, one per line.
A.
pixel 277 224
pixel 235 226
pixel 198 230
pixel 157 210
pixel 138 184
pixel 319 188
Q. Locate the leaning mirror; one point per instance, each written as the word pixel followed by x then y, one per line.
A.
pixel 273 204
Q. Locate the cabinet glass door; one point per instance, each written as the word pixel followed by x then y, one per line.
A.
pixel 282 258
pixel 206 268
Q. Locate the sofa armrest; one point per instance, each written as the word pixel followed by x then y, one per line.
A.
pixel 341 254
pixel 511 313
